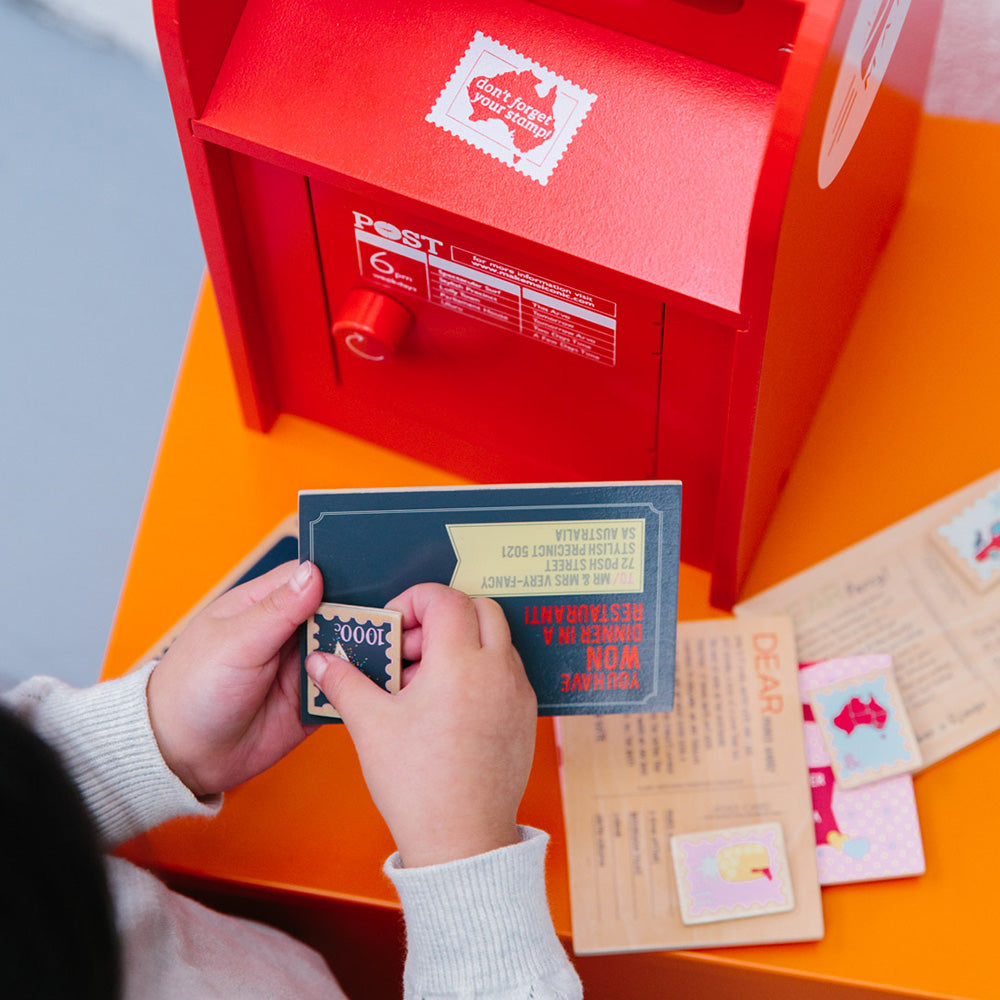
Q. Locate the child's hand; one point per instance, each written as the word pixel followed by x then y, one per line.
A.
pixel 224 700
pixel 447 758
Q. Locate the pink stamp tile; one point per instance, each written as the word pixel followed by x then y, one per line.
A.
pixel 733 873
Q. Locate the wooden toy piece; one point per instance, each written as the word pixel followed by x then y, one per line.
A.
pixel 370 638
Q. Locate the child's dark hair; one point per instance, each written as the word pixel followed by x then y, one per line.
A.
pixel 59 937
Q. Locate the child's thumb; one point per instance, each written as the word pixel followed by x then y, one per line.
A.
pixel 351 692
pixel 273 616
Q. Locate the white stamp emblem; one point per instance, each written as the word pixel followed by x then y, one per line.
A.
pixel 512 108
pixel 876 30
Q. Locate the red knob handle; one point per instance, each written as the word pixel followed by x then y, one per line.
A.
pixel 371 325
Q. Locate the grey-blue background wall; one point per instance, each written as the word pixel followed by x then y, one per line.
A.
pixel 99 268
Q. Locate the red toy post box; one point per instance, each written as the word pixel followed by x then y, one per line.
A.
pixel 551 241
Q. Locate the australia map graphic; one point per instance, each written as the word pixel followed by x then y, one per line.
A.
pixel 858 713
pixel 512 98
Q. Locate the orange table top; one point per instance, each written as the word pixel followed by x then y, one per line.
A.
pixel 909 416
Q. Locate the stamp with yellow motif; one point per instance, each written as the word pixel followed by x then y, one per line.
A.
pixel 733 873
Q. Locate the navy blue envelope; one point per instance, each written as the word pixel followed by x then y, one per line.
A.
pixel 585 573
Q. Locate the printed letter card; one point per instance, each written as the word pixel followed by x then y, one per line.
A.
pixel 586 575
pixel 695 829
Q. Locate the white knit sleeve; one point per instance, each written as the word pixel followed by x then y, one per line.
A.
pixel 103 737
pixel 481 928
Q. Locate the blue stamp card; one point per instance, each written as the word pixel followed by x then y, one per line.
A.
pixel 865 728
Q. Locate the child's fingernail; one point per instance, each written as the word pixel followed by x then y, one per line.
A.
pixel 315 666
pixel 301 576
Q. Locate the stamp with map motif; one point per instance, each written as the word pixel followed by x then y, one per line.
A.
pixel 864 833
pixel 970 541
pixel 370 638
pixel 512 108
pixel 865 727
pixel 730 874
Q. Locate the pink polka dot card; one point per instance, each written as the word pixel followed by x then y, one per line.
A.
pixel 865 833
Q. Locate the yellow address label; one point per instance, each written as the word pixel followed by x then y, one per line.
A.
pixel 521 558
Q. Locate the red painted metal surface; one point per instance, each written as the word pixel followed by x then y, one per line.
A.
pixel 666 301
